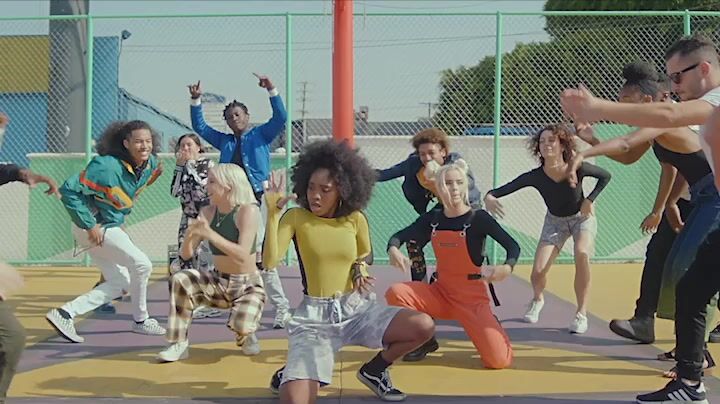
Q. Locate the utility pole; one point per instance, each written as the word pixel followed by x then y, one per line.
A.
pixel 430 106
pixel 303 100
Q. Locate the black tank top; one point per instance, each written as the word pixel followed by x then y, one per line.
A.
pixel 692 166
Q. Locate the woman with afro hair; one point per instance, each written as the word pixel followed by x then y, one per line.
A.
pixel 569 214
pixel 333 183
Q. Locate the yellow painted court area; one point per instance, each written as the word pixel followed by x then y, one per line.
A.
pixel 218 370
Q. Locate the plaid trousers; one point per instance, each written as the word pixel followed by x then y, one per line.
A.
pixel 244 294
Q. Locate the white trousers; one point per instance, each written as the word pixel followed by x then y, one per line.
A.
pixel 124 267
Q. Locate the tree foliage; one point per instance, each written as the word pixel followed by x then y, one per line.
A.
pixel 581 49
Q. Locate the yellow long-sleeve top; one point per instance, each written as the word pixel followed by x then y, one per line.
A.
pixel 327 248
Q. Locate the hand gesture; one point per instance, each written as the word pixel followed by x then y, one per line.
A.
pixel 4 120
pixel 572 169
pixel 264 82
pixel 195 90
pixel 650 223
pixel 587 209
pixel 363 284
pixel 495 273
pixel 585 132
pixel 672 212
pixel 493 205
pixel 276 185
pixel 284 201
pixel 182 157
pixel 578 103
pixel 199 228
pixel 399 260
pixel 33 179
pixel 95 235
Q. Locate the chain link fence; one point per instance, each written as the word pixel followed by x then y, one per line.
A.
pixel 411 72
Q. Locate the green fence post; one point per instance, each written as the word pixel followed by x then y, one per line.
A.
pixel 686 22
pixel 288 106
pixel 89 101
pixel 498 114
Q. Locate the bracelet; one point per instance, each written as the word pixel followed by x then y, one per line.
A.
pixel 359 270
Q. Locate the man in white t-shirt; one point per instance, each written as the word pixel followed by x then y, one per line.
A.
pixel 694 69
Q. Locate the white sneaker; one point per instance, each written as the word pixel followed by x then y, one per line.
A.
pixel 281 319
pixel 206 312
pixel 579 324
pixel 533 312
pixel 250 346
pixel 64 326
pixel 174 352
pixel 148 327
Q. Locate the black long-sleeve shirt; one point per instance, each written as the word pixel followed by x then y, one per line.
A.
pixel 9 173
pixel 560 199
pixel 481 226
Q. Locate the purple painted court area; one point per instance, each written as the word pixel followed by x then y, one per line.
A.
pixel 107 335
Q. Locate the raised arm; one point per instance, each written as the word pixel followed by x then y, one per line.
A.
pixel 212 136
pixel 522 181
pixel 584 107
pixel 637 141
pixel 398 170
pixel 279 231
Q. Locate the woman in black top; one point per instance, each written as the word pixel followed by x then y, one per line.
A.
pixel 570 213
pixel 458 234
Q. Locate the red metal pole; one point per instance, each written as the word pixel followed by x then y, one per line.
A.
pixel 343 113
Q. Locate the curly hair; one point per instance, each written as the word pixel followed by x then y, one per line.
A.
pixel 564 135
pixel 111 141
pixel 646 78
pixel 234 104
pixel 351 172
pixel 431 135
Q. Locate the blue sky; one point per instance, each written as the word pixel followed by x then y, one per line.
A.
pixel 398 60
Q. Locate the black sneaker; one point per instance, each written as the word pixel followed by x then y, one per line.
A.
pixel 421 352
pixel 380 385
pixel 637 329
pixel 676 392
pixel 275 381
pixel 715 335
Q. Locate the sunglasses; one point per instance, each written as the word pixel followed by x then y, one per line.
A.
pixel 677 76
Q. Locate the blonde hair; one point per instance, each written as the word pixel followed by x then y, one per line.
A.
pixel 460 166
pixel 232 176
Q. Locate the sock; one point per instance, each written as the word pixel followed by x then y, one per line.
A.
pixel 377 364
pixel 65 314
pixel 691 383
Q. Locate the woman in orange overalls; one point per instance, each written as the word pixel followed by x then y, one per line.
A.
pixel 461 292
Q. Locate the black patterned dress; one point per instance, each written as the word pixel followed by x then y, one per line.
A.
pixel 189 183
